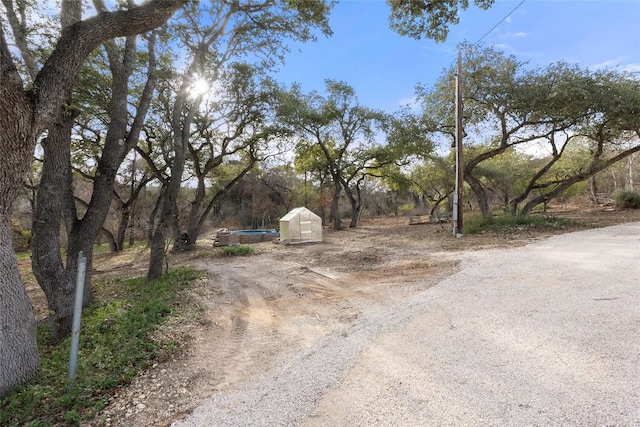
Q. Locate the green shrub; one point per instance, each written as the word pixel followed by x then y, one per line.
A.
pixel 238 250
pixel 627 199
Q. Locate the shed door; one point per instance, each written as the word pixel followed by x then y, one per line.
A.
pixel 305 226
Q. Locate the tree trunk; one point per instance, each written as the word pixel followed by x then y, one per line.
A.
pixel 394 203
pixel 46 259
pixel 156 238
pixel 123 224
pixel 356 211
pixel 193 223
pixel 593 190
pixel 480 193
pixel 81 240
pixel 157 253
pixel 132 227
pixel 113 244
pixel 437 203
pixel 56 280
pixel 197 219
pixel 422 202
pixel 165 218
pixel 335 205
pixel 630 164
pixel 356 203
pixel 18 349
pixel 597 164
pixel 515 202
pixel 528 207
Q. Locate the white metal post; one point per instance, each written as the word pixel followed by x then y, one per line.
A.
pixel 77 315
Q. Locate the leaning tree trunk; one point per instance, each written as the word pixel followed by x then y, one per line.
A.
pixel 46 258
pixel 164 220
pixel 515 202
pixel 356 203
pixel 58 281
pixel 197 219
pixel 111 241
pixel 355 215
pixel 55 200
pixel 437 203
pixel 481 194
pixel 167 218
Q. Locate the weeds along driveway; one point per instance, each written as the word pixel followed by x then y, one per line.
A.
pixel 545 334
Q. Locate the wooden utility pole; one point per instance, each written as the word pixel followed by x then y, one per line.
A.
pixel 457 197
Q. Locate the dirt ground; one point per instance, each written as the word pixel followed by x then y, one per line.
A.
pixel 258 309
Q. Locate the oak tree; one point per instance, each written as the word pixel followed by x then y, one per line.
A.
pixel 28 107
pixel 213 35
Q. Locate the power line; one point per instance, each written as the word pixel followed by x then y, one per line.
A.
pixel 501 21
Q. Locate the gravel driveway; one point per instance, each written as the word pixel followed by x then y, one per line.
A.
pixel 545 334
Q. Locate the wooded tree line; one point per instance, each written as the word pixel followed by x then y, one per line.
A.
pixel 84 93
pixel 165 117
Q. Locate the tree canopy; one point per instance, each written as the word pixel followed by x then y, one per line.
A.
pixel 426 18
pixel 508 105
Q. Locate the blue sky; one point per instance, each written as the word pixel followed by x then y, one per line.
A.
pixel 384 67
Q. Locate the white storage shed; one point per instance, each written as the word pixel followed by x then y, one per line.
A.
pixel 300 225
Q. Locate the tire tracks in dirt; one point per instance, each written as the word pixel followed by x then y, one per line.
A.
pixel 261 310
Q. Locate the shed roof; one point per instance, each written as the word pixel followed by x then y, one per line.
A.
pixel 293 213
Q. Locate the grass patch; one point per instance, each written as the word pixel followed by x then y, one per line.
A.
pixel 102 248
pixel 115 345
pixel 238 250
pixel 516 224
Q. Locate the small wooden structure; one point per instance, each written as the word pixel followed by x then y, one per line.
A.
pixel 225 237
pixel 434 219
